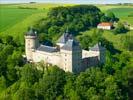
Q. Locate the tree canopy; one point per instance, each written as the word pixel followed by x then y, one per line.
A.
pixel 110 81
pixel 75 18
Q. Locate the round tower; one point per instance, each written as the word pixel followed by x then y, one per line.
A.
pixel 31 43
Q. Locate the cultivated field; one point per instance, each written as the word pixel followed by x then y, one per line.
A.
pixel 16 18
pixel 125 14
pixel 12 16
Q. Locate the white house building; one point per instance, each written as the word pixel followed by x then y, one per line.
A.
pixel 105 26
pixel 67 54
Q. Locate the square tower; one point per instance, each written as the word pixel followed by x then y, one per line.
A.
pixel 71 54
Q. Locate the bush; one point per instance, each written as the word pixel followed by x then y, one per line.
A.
pixel 120 29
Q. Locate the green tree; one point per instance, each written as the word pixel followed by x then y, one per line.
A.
pixel 69 87
pixel 29 75
pixel 3 83
pixel 45 39
pixel 51 85
pixel 85 41
pixel 76 18
pixel 104 19
pixel 53 30
pixel 9 40
pixel 120 29
pixel 25 94
pixel 112 90
pixel 6 51
pixel 127 42
pixel 111 16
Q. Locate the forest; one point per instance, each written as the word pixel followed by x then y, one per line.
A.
pixel 23 81
pixel 74 18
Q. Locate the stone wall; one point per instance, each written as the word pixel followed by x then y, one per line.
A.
pixel 50 58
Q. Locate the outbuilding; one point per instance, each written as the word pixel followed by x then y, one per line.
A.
pixel 105 26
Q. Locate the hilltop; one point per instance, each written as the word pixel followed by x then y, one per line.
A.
pixel 20 79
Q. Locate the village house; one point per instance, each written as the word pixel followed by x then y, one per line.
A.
pixel 105 26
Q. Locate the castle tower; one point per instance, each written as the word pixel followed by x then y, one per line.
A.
pixel 31 43
pixel 101 52
pixel 71 56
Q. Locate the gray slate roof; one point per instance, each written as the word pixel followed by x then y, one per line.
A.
pixel 47 48
pixel 97 47
pixel 63 38
pixel 31 32
pixel 71 44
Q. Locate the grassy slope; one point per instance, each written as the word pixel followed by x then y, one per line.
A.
pixel 16 21
pixel 18 28
pixel 44 5
pixel 17 31
pixel 107 7
pixel 115 39
pixel 11 16
pixel 123 14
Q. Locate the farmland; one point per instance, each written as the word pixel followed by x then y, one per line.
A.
pixel 15 21
pixel 11 16
pixel 125 14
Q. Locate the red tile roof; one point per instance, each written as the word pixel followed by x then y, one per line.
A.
pixel 105 24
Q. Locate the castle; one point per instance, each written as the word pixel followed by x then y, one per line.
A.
pixel 67 55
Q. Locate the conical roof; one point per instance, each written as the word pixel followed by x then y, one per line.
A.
pixel 31 32
pixel 71 45
pixel 64 38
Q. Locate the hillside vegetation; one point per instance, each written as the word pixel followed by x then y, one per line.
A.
pixel 76 19
pixel 11 25
pixel 110 81
pixel 117 40
pixel 20 81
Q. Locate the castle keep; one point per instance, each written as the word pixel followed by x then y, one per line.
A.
pixel 67 55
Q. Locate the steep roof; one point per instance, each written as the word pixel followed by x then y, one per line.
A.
pixel 31 32
pixel 105 24
pixel 71 45
pixel 64 38
pixel 97 47
pixel 47 48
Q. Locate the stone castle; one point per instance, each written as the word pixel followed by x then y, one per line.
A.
pixel 67 54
